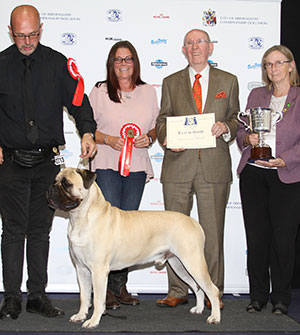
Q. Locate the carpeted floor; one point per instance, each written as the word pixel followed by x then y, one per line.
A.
pixel 149 318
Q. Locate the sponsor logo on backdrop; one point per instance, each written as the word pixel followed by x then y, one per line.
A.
pixel 68 39
pixel 156 85
pixel 66 153
pixel 256 43
pixel 113 39
pixel 212 63
pixel 159 41
pixel 159 64
pixel 254 66
pixel 114 15
pixel 243 20
pixel 157 157
pixel 161 16
pixel 254 84
pixel 55 16
pixel 157 203
pixel 209 18
pixel 234 205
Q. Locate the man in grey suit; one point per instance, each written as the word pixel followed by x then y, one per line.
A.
pixel 205 173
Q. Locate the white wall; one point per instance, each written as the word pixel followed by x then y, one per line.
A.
pixel 86 30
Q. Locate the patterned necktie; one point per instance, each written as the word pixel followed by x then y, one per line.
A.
pixel 197 91
pixel 29 109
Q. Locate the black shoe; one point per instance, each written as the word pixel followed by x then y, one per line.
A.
pixel 279 308
pixel 10 307
pixel 42 305
pixel 255 306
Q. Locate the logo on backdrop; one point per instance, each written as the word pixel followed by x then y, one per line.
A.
pixel 68 39
pixel 159 41
pixel 256 42
pixel 114 15
pixel 161 16
pixel 157 157
pixel 254 66
pixel 113 39
pixel 209 18
pixel 159 64
pixel 66 153
pixel 212 63
pixel 254 84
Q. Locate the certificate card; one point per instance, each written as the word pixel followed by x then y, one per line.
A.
pixel 190 131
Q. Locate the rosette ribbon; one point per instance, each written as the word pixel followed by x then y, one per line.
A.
pixel 73 70
pixel 129 132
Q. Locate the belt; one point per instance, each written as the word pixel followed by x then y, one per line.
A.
pixel 28 157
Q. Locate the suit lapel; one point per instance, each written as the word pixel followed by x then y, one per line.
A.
pixel 185 84
pixel 212 89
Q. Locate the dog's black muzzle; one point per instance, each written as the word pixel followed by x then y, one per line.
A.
pixel 59 198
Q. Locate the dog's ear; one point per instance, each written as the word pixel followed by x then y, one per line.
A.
pixel 88 177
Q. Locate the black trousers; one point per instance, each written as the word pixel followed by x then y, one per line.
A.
pixel 26 216
pixel 271 211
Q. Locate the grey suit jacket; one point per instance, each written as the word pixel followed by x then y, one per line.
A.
pixel 287 133
pixel 178 100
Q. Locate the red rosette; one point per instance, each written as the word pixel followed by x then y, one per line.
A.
pixel 129 132
pixel 73 70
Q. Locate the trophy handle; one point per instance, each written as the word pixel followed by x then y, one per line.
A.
pixel 279 116
pixel 244 113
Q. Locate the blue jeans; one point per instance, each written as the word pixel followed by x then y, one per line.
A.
pixel 124 193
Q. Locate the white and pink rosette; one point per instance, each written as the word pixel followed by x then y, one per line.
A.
pixel 73 70
pixel 129 132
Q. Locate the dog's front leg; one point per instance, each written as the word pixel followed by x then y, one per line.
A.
pixel 85 289
pixel 99 279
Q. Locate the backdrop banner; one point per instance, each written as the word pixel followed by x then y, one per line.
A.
pixel 85 31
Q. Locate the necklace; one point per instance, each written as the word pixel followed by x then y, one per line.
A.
pixel 126 95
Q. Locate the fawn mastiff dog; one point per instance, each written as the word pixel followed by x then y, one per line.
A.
pixel 104 238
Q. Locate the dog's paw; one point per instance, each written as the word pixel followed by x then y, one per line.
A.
pixel 197 309
pixel 90 323
pixel 77 317
pixel 213 320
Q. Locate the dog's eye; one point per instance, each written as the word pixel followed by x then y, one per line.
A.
pixel 65 183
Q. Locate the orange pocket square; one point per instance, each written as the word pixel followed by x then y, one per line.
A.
pixel 220 95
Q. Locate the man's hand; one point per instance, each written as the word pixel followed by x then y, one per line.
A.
pixel 219 128
pixel 1 156
pixel 175 150
pixel 88 146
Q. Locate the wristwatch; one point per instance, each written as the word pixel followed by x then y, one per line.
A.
pixel 93 135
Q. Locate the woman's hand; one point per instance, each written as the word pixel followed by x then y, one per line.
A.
pixel 142 141
pixel 251 139
pixel 276 162
pixel 115 142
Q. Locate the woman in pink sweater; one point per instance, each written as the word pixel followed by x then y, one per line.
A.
pixel 121 99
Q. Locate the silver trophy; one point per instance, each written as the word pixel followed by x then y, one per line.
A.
pixel 260 122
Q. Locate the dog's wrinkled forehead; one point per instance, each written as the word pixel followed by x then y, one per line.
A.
pixel 76 178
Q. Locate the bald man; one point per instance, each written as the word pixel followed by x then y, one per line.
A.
pixel 205 174
pixel 35 86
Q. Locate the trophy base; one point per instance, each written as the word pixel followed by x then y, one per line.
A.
pixel 260 153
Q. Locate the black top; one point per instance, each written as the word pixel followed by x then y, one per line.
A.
pixel 53 89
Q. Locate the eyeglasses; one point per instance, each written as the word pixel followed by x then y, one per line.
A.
pixel 197 42
pixel 128 60
pixel 276 64
pixel 30 36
